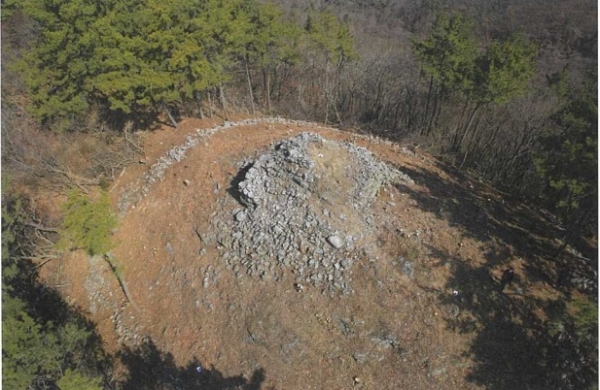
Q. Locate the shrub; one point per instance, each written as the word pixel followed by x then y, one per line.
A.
pixel 87 224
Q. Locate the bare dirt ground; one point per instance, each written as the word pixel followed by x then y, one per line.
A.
pixel 444 325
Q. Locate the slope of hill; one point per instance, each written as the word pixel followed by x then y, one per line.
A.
pixel 258 256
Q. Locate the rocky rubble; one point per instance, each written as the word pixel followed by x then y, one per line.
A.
pixel 305 209
pixel 132 195
pixel 102 300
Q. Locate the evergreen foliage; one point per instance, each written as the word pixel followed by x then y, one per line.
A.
pixel 480 77
pixel 568 159
pixel 137 57
pixel 330 37
pixel 56 69
pixel 495 75
pixel 73 380
pixel 449 53
pixel 37 353
pixel 87 224
pixel 504 70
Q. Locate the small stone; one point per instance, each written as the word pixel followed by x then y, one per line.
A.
pixel 359 357
pixel 335 241
pixel 240 216
pixel 186 182
pixel 356 380
pixel 407 267
pixel 454 311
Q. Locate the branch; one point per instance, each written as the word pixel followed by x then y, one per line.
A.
pixel 45 259
pixel 75 179
pixel 42 228
pixel 133 145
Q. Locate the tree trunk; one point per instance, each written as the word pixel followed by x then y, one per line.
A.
pixel 222 95
pixel 468 126
pixel 337 114
pixel 427 103
pixel 397 116
pixel 210 104
pixel 282 80
pixel 434 110
pixel 173 122
pixel 326 91
pixel 411 104
pixel 199 104
pixel 571 232
pixel 456 130
pixel 249 86
pixel 439 108
pixel 122 282
pixel 470 145
pixel 267 86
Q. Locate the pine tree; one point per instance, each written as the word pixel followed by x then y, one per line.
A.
pixel 448 54
pixel 73 380
pixel 568 158
pixel 87 224
pixel 57 66
pixel 504 70
pixel 36 353
pixel 331 44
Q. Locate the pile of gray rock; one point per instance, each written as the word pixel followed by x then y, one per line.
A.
pixel 133 194
pixel 305 209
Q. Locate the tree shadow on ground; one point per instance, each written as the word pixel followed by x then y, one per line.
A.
pixel 510 227
pixel 147 367
pixel 514 345
pixel 151 369
pixel 47 307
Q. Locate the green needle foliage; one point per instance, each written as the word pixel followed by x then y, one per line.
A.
pixel 72 380
pixel 38 353
pixel 496 75
pixel 137 57
pixel 449 53
pixel 504 70
pixel 87 224
pixel 568 159
pixel 450 57
pixel 330 37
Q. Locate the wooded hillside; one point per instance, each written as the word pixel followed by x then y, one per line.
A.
pixel 496 92
pixel 505 90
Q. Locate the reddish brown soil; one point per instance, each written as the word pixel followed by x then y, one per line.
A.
pixel 459 233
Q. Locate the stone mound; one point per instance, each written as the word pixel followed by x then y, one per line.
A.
pixel 307 209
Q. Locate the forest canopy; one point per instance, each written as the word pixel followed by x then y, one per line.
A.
pixel 139 57
pixel 480 92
